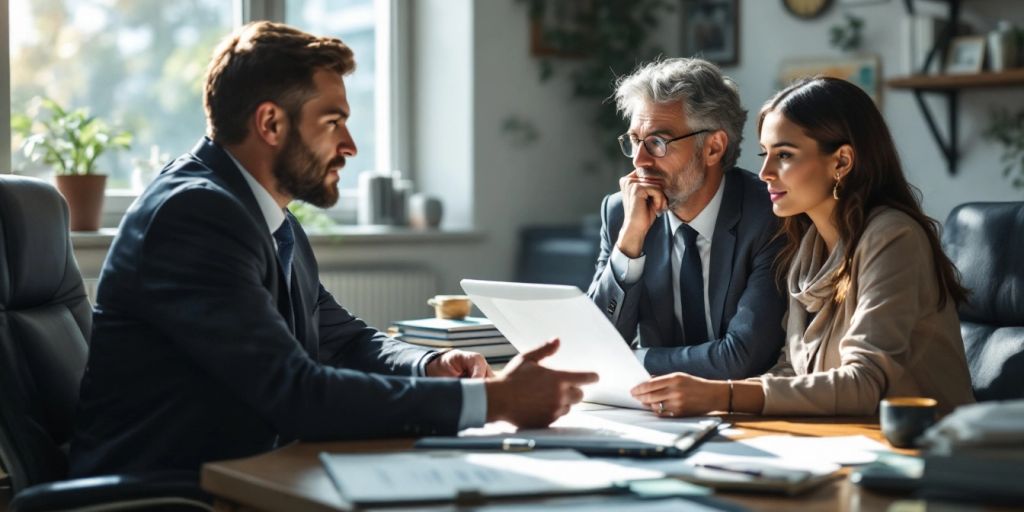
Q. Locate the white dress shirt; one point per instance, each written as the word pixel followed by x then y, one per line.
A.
pixel 628 271
pixel 474 393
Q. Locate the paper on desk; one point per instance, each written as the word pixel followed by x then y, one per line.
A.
pixel 528 315
pixel 603 504
pixel 843 450
pixel 602 421
pixel 439 476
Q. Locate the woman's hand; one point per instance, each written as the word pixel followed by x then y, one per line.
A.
pixel 680 394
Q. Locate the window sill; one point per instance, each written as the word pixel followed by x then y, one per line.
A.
pixel 322 237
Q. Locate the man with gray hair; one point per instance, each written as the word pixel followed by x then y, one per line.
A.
pixel 687 244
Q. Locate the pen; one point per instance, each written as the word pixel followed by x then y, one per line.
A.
pixel 779 475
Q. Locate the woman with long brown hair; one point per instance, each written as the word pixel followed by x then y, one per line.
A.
pixel 872 297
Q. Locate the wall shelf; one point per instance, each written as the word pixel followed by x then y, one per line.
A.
pixel 949 86
pixel 954 82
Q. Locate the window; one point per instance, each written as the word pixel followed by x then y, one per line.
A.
pixel 356 23
pixel 136 63
pixel 139 64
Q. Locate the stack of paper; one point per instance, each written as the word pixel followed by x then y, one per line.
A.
pixel 412 477
pixel 472 334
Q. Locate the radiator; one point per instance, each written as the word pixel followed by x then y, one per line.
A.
pixel 382 296
pixel 378 296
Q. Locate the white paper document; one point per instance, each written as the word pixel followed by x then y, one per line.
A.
pixel 530 314
pixel 442 476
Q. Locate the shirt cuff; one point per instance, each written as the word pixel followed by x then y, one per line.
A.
pixel 420 370
pixel 474 403
pixel 627 270
pixel 641 355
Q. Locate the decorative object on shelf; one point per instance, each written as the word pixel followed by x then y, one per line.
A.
pixel 1007 129
pixel 1003 46
pixel 847 36
pixel 70 141
pixel 618 36
pixel 966 55
pixel 711 30
pixel 383 199
pixel 807 9
pixel 425 211
pixel 861 70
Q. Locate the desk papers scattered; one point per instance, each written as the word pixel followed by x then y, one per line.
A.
pixel 403 477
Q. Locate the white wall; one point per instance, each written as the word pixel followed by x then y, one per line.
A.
pixel 769 35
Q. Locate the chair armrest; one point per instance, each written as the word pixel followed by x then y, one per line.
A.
pixel 178 489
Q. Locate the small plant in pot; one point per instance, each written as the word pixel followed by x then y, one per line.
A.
pixel 70 141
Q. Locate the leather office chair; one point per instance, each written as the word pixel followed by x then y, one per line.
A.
pixel 45 321
pixel 986 243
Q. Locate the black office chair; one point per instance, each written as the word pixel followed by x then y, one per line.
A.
pixel 45 320
pixel 986 243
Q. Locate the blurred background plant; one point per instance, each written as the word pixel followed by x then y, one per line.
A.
pixel 70 141
pixel 1007 129
pixel 846 36
pixel 597 41
pixel 310 216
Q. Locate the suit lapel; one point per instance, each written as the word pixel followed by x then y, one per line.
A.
pixel 230 175
pixel 658 276
pixel 723 246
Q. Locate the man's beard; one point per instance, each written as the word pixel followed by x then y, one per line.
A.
pixel 301 175
pixel 684 184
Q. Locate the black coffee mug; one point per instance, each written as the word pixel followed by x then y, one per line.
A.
pixel 905 418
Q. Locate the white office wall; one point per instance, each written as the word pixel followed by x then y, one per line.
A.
pixel 769 35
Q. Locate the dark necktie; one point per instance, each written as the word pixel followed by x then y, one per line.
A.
pixel 691 288
pixel 285 246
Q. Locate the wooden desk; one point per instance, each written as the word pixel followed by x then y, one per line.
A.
pixel 292 479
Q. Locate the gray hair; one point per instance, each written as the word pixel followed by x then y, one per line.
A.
pixel 710 100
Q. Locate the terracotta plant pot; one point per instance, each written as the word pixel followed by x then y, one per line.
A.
pixel 84 194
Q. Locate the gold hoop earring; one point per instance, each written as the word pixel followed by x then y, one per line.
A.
pixel 835 188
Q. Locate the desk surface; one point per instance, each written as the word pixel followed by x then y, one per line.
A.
pixel 291 478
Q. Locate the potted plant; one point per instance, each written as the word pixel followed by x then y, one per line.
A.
pixel 70 141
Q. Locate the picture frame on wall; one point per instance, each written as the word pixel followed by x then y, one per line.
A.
pixel 711 30
pixel 863 71
pixel 966 55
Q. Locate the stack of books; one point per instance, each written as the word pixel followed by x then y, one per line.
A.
pixel 473 334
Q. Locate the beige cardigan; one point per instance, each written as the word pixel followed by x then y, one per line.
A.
pixel 888 338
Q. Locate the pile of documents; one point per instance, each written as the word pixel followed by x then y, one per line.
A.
pixel 473 334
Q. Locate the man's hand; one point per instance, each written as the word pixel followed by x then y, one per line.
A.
pixel 680 394
pixel 459 363
pixel 529 395
pixel 643 199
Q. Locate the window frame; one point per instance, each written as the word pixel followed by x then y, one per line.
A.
pixel 392 112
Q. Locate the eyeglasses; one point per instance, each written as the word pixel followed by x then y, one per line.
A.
pixel 655 145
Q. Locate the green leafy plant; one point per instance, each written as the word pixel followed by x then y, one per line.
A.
pixel 603 40
pixel 847 36
pixel 68 140
pixel 309 216
pixel 1007 129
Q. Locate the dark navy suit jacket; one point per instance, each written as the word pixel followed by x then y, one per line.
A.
pixel 745 303
pixel 200 353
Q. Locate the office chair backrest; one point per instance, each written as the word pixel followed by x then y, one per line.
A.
pixel 986 242
pixel 45 319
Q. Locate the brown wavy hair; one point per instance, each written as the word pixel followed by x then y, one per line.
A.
pixel 265 61
pixel 834 113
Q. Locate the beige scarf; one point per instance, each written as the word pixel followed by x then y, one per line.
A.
pixel 812 312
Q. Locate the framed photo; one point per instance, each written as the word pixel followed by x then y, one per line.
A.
pixel 863 71
pixel 966 55
pixel 711 30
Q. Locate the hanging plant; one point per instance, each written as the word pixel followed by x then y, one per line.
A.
pixel 597 41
